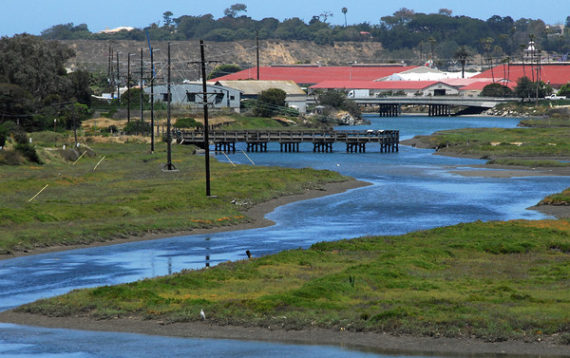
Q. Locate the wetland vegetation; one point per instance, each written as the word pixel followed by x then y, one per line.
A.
pixel 494 281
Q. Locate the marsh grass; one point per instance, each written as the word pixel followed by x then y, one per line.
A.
pixel 504 142
pixel 129 194
pixel 495 281
pixel 562 198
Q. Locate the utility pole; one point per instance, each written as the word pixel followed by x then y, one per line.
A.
pixel 205 100
pixel 169 165
pixel 129 87
pixel 118 81
pixel 152 101
pixel 257 52
pixel 141 87
pixel 109 58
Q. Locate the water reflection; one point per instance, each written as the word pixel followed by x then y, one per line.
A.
pixel 22 341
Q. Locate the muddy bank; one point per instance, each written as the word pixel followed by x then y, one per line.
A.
pixel 369 341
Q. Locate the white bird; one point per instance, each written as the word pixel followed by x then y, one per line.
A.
pixel 202 314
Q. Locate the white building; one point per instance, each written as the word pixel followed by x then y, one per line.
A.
pixel 191 94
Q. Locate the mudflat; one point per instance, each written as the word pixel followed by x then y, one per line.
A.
pixel 369 341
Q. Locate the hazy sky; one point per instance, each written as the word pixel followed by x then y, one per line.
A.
pixel 34 16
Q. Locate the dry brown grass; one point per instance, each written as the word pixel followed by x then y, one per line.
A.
pixel 102 122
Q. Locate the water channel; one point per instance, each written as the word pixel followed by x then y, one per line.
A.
pixel 411 190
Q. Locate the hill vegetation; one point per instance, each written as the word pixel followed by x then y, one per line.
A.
pixel 404 33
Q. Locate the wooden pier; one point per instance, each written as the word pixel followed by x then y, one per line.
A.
pixel 289 141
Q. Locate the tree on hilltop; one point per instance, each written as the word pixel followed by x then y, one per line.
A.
pixel 233 10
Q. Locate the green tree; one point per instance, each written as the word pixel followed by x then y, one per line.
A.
pixel 167 18
pixel 344 11
pixel 527 89
pixel 66 32
pixel 331 98
pixel 80 86
pixel 462 55
pixel 15 103
pixel 222 70
pixel 496 90
pixel 338 100
pixel 134 95
pixel 72 116
pixel 35 65
pixel 233 10
pixel 565 90
pixel 270 102
pixel 4 133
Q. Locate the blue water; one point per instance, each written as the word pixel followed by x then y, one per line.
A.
pixel 409 190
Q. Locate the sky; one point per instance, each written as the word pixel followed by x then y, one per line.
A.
pixel 34 16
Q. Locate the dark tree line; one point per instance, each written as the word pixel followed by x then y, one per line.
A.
pixel 35 87
pixel 429 34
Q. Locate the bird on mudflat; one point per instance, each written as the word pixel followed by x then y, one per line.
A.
pixel 202 314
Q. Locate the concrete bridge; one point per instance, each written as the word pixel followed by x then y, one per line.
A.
pixel 289 140
pixel 437 105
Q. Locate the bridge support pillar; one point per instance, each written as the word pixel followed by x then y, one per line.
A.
pixel 256 146
pixel 289 147
pixel 227 147
pixel 355 147
pixel 439 110
pixel 390 110
pixel 322 147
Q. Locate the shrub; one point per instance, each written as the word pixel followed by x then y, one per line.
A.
pixel 29 152
pixel 137 127
pixel 20 137
pixel 187 122
pixel 269 102
pixel 496 90
pixel 4 133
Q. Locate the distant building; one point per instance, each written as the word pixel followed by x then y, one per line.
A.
pixel 423 73
pixel 191 94
pixel 296 97
pixel 313 74
pixel 117 29
pixel 554 74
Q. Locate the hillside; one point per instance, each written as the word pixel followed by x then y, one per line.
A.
pixel 93 54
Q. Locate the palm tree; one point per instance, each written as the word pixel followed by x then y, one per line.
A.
pixel 507 75
pixel 344 11
pixel 462 55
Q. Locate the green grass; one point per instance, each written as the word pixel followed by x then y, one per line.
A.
pixel 504 142
pixel 244 122
pixel 529 163
pixel 562 199
pixel 495 281
pixel 550 122
pixel 129 195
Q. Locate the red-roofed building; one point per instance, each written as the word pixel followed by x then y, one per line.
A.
pixel 308 74
pixel 556 75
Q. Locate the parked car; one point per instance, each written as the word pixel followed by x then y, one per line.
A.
pixel 554 97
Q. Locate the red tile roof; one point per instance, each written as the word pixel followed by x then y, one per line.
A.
pixel 555 74
pixel 384 85
pixel 479 85
pixel 316 74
